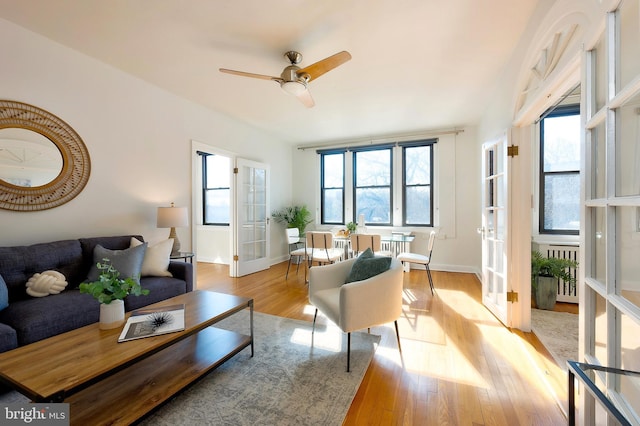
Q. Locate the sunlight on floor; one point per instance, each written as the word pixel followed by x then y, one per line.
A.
pixel 328 338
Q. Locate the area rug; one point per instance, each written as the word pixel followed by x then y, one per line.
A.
pixel 294 378
pixel 558 332
pixel 290 379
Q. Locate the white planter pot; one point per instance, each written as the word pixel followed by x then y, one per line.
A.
pixel 112 314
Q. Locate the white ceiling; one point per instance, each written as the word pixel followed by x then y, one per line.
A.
pixel 418 65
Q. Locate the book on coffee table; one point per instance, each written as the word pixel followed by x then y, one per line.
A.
pixel 153 322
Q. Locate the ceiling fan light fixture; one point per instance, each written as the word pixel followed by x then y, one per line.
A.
pixel 294 88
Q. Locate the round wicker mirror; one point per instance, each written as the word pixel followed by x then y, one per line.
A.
pixel 76 165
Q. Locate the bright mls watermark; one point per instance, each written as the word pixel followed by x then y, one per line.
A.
pixel 49 414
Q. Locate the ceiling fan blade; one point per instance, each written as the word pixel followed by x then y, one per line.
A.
pixel 249 74
pixel 306 99
pixel 327 64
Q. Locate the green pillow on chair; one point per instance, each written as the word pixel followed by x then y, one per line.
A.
pixel 367 265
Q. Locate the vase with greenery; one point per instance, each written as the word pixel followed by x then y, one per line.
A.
pixel 545 272
pixel 110 290
pixel 352 227
pixel 294 217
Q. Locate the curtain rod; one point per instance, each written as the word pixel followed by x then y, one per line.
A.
pixel 362 142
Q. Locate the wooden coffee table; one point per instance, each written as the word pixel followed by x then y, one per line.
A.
pixel 106 382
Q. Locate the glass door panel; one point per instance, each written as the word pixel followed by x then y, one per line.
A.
pixel 628 17
pixel 628 148
pixel 494 230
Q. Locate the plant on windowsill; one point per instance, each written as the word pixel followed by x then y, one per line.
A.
pixel 352 227
pixel 110 290
pixel 545 273
pixel 294 216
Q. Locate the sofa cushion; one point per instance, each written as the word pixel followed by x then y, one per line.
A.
pixel 160 288
pixel 41 317
pixel 156 258
pixel 367 265
pixel 113 243
pixel 4 294
pixel 8 338
pixel 18 264
pixel 128 262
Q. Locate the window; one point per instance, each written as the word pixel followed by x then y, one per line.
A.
pixel 216 192
pixel 372 185
pixel 560 171
pixel 418 178
pixel 364 181
pixel 332 187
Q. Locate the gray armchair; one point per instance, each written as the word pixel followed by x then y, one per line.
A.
pixel 359 304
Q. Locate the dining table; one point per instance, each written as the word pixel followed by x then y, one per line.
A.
pixel 398 242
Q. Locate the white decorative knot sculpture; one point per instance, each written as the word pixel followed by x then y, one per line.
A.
pixel 46 283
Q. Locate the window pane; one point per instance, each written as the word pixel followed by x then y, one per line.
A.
pixel 373 168
pixel 333 172
pixel 417 165
pixel 562 202
pixel 562 143
pixel 627 250
pixel 332 187
pixel 332 206
pixel 418 205
pixel 629 347
pixel 598 244
pixel 217 206
pixel 600 73
pixel 629 19
pixel 600 327
pixel 598 162
pixel 628 148
pixel 374 204
pixel 373 186
pixel 217 171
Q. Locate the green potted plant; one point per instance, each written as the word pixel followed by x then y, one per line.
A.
pixel 545 272
pixel 352 227
pixel 294 216
pixel 110 290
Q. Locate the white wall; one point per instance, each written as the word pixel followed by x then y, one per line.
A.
pixel 456 171
pixel 138 136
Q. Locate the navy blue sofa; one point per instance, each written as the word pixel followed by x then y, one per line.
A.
pixel 29 319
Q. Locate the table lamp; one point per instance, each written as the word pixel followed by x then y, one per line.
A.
pixel 173 217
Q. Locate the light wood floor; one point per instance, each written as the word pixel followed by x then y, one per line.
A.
pixel 459 365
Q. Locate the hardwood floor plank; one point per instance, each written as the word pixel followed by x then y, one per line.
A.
pixel 459 365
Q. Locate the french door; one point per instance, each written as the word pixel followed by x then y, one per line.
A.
pixel 494 229
pixel 610 229
pixel 251 227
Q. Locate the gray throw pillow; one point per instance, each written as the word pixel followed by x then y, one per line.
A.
pixel 128 262
pixel 4 294
pixel 367 265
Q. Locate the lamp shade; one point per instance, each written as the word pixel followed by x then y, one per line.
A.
pixel 172 217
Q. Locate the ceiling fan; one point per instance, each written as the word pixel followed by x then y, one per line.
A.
pixel 294 80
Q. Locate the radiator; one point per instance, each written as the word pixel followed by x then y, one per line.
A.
pixel 566 292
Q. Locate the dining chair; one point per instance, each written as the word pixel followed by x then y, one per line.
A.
pixel 361 242
pixel 295 251
pixel 320 248
pixel 421 259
